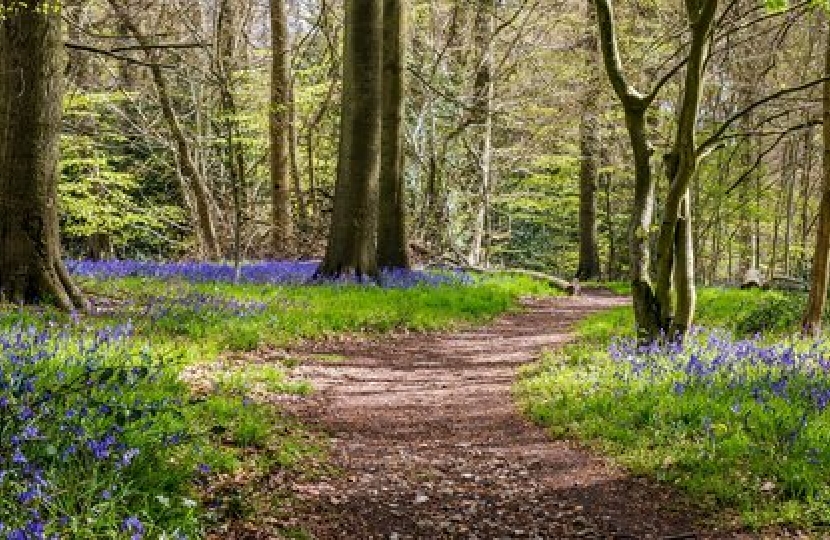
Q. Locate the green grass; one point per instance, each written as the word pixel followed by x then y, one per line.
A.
pixel 745 312
pixel 694 438
pixel 295 313
pixel 217 390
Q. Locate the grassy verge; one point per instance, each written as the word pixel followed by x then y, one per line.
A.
pixel 244 317
pixel 736 422
pixel 155 418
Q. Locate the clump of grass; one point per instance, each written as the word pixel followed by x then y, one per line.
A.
pixel 745 312
pixel 734 422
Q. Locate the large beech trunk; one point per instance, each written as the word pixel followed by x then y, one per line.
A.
pixel 31 66
pixel 352 240
pixel 821 259
pixel 392 249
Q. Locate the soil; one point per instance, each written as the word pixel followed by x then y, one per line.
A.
pixel 429 444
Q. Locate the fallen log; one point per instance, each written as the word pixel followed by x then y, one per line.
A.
pixel 553 281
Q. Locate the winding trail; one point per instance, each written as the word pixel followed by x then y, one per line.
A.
pixel 431 445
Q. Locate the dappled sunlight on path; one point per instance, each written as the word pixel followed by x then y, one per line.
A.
pixel 431 444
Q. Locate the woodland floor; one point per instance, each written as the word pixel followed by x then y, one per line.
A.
pixel 428 443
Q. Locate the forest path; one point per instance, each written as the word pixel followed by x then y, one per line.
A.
pixel 431 444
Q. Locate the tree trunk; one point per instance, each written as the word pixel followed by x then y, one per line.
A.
pixel 280 132
pixel 821 259
pixel 393 251
pixel 589 265
pixel 351 246
pixel 806 188
pixel 654 305
pixel 31 67
pixel 202 199
pixel 776 225
pixel 482 121
pixel 682 164
pixel 607 183
pixel 788 172
pixel 301 218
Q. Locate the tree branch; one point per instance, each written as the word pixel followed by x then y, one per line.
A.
pixel 114 54
pixel 630 97
pixel 719 133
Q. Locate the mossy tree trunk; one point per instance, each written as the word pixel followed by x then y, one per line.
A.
pixel 481 120
pixel 393 250
pixel 663 307
pixel 352 241
pixel 590 147
pixel 31 67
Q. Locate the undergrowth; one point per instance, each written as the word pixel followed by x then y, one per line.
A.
pixel 736 417
pixel 154 418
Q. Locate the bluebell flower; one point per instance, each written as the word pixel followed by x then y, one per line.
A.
pixel 133 526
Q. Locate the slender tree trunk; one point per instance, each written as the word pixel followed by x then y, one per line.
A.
pixel 821 259
pixel 646 308
pixel 351 246
pixel 483 94
pixel 607 182
pixel 280 131
pixel 682 164
pixel 655 311
pixel 301 219
pixel 393 251
pixel 589 265
pixel 202 198
pixel 312 176
pixel 776 225
pixel 788 177
pixel 31 67
pixel 684 272
pixel 806 185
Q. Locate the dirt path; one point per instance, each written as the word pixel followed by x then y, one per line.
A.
pixel 431 444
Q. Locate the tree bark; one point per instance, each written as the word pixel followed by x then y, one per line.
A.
pixel 589 265
pixel 665 308
pixel 788 173
pixel 482 120
pixel 280 132
pixel 393 250
pixel 31 67
pixel 682 163
pixel 351 248
pixel 821 259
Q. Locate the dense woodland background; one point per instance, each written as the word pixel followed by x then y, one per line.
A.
pixel 201 89
pixel 172 172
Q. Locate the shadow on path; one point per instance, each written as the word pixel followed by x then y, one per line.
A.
pixel 431 445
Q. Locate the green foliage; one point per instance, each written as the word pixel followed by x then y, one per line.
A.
pixel 101 192
pixel 716 440
pixel 728 440
pixel 745 312
pixel 544 208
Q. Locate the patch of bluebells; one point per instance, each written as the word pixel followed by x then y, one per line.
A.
pixel 777 394
pixel 197 303
pixel 68 422
pixel 258 273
